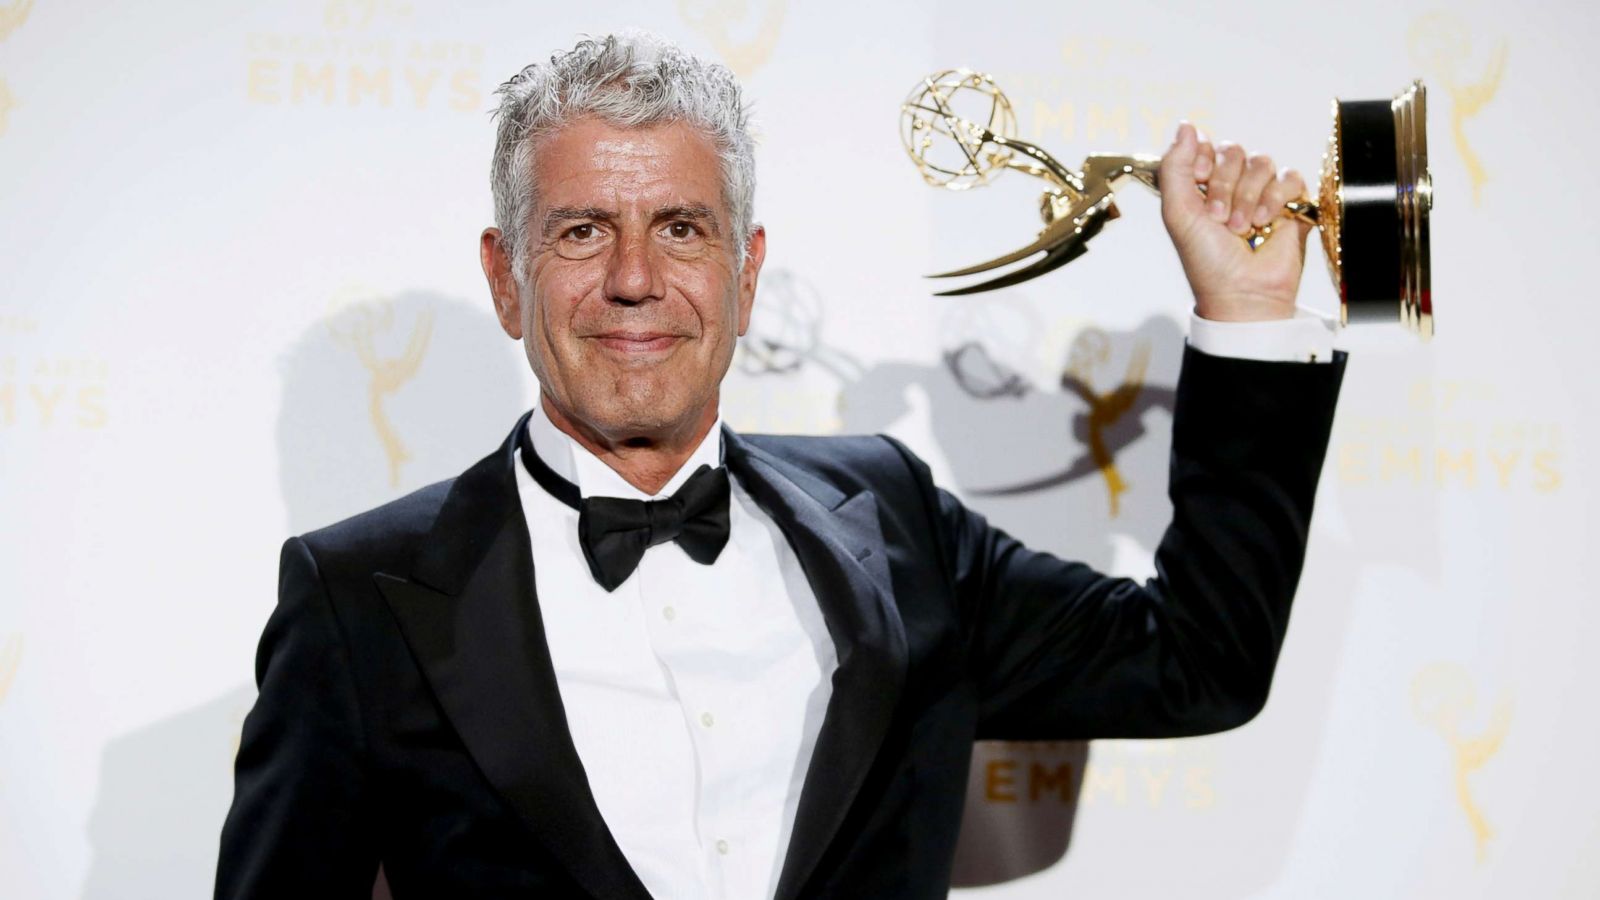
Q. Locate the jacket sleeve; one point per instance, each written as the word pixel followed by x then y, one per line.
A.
pixel 298 826
pixel 1060 651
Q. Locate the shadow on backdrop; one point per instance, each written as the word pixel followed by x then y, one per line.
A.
pixel 379 398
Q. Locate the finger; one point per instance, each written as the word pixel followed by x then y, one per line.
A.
pixel 1176 177
pixel 1287 186
pixel 1219 190
pixel 1247 208
pixel 1205 158
pixel 1289 232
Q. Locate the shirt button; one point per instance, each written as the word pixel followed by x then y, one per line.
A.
pixel 706 720
pixel 722 847
pixel 669 613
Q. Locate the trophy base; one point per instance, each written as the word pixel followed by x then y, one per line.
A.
pixel 1377 184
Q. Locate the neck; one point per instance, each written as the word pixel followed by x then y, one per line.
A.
pixel 647 462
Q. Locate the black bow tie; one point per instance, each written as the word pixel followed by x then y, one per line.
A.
pixel 615 532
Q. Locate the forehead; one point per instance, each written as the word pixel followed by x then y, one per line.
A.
pixel 592 162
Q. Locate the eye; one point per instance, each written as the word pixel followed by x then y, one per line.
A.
pixel 583 240
pixel 682 231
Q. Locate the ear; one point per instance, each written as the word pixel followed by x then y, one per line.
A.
pixel 755 255
pixel 495 255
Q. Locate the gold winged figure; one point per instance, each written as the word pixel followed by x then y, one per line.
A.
pixel 719 20
pixel 1372 209
pixel 1077 205
pixel 12 15
pixel 1442 695
pixel 388 374
pixel 1441 42
pixel 1105 408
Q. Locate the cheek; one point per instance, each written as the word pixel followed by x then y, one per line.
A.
pixel 561 304
pixel 714 299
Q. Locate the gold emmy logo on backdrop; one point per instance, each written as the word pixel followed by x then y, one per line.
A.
pixel 363 53
pixel 1442 696
pixel 361 13
pixel 1372 206
pixel 386 374
pixel 716 20
pixel 1440 43
pixel 1091 350
pixel 11 18
pixel 10 660
pixel 8 102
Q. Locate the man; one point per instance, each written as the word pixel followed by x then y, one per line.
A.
pixel 632 653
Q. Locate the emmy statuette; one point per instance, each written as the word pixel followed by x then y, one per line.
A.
pixel 1373 198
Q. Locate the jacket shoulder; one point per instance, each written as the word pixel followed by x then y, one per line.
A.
pixel 381 536
pixel 849 463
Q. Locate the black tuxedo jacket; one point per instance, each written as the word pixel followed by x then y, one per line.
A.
pixel 409 713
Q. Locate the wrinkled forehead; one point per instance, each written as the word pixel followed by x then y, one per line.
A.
pixel 628 169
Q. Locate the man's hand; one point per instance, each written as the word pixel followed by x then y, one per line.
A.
pixel 1230 281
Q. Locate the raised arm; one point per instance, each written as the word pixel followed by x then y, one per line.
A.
pixel 1058 650
pixel 1061 651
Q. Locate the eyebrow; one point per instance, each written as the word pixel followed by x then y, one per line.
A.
pixel 559 214
pixel 698 213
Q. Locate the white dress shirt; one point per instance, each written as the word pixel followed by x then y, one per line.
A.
pixel 694 694
pixel 1308 337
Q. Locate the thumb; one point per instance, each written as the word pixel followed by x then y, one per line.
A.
pixel 1180 198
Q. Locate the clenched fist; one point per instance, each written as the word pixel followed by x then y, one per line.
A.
pixel 1232 282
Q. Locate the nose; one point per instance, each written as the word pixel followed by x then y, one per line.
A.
pixel 632 276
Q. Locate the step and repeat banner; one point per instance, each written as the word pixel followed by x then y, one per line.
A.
pixel 241 299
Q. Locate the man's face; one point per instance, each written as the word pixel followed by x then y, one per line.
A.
pixel 634 297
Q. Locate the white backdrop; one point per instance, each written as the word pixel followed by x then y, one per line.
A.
pixel 241 299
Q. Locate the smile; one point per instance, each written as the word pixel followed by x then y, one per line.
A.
pixel 637 342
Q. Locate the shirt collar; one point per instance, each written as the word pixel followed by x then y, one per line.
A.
pixel 572 461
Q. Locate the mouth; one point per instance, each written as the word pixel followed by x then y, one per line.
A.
pixel 638 343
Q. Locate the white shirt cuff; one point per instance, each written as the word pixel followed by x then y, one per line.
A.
pixel 1308 337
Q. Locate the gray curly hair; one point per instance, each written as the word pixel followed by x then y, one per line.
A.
pixel 630 80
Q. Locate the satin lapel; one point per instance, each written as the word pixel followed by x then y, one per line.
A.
pixel 840 545
pixel 471 617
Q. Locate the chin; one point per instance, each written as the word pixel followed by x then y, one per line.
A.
pixel 641 413
pixel 623 402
